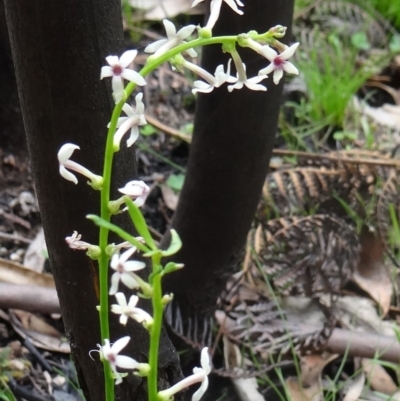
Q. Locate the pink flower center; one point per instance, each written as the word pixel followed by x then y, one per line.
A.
pixel 111 357
pixel 117 70
pixel 278 62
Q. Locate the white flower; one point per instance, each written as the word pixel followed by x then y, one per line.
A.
pixel 212 81
pixel 74 242
pixel 279 62
pixel 173 39
pixel 199 375
pixel 117 69
pixel 123 269
pixel 251 83
pixel 215 9
pixel 64 155
pixel 130 310
pixel 110 354
pixel 137 190
pixel 132 121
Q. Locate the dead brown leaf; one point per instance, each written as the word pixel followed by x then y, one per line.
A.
pixel 378 377
pixel 355 389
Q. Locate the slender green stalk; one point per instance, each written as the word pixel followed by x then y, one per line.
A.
pixel 103 242
pixel 152 379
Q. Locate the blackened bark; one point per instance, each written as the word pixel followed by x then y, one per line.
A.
pixel 58 49
pixel 229 156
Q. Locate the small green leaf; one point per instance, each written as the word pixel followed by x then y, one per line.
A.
pixel 174 246
pixel 148 130
pixel 172 267
pixel 139 222
pixel 360 41
pixel 175 182
pixel 338 136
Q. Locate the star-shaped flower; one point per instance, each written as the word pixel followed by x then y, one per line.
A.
pixel 129 310
pixel 66 164
pixel 173 39
pixel 74 242
pixel 110 354
pixel 279 62
pixel 137 190
pixel 123 270
pixel 215 9
pixel 133 119
pixel 251 83
pixel 219 78
pixel 117 69
pixel 199 375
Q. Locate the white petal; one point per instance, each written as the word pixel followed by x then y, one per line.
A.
pixel 67 175
pixel 237 85
pixel 203 87
pixel 133 300
pixel 129 281
pixel 215 8
pixel 185 31
pixel 134 265
pixel 124 128
pixel 123 319
pixel 196 2
pixel 205 360
pixel 114 283
pixel 233 6
pixel 118 88
pixel 278 74
pixel 127 254
pixel 267 70
pixel 153 47
pixel 290 68
pixel 133 136
pixel 191 52
pixel 140 201
pixel 117 309
pixel 169 29
pixel 133 76
pixel 66 151
pixel 114 261
pixel 121 299
pixel 200 392
pixel 289 51
pixel 127 58
pixel 125 362
pixel 269 53
pixel 255 87
pixel 128 110
pixel 106 72
pixel 112 60
pixel 120 344
pixel 240 3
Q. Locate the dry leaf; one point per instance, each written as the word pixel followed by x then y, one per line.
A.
pixel 298 392
pixel 50 339
pixel 14 273
pixel 170 197
pixel 372 274
pixel 355 389
pixel 312 367
pixel 35 254
pixel 378 377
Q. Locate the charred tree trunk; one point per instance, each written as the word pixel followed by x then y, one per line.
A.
pixel 58 49
pixel 229 156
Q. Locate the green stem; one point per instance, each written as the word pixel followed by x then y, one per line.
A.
pixel 152 379
pixel 103 242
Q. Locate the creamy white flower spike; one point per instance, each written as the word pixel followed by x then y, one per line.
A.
pixel 129 310
pixel 173 39
pixel 200 375
pixel 136 190
pixel 117 69
pixel 66 164
pixel 123 270
pixel 110 354
pixel 215 9
pixel 279 62
pixel 133 119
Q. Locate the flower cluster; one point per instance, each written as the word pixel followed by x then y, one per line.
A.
pixel 177 45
